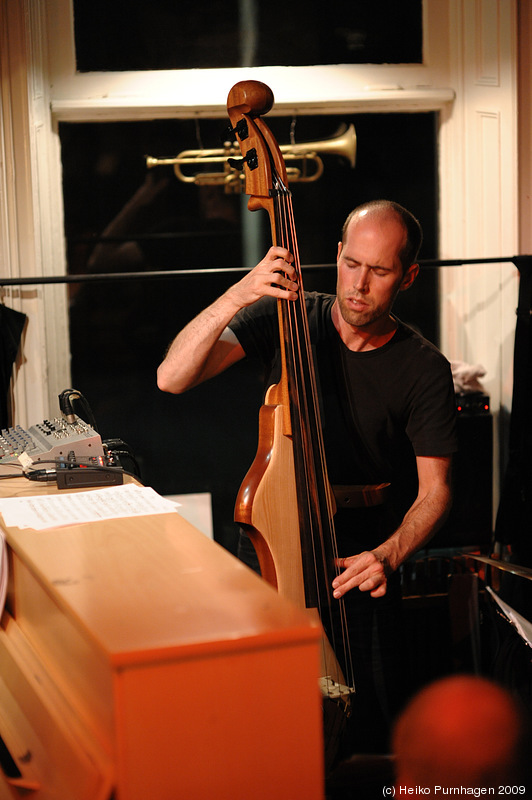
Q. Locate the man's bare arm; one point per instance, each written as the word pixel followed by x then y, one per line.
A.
pixel 206 347
pixel 369 570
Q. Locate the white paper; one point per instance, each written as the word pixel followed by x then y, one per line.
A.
pixel 520 623
pixel 51 511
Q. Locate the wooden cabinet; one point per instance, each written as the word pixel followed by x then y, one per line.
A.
pixel 141 661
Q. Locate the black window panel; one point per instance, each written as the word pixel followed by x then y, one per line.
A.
pixel 121 217
pixel 194 34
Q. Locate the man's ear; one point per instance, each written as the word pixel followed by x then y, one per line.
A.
pixel 338 254
pixel 409 277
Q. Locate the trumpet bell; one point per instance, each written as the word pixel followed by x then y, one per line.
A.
pixel 343 144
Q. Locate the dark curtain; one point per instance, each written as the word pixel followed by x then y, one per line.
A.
pixel 11 327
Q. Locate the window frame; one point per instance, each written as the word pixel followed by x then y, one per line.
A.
pixel 468 75
pixel 194 93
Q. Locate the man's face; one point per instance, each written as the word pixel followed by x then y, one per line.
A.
pixel 370 273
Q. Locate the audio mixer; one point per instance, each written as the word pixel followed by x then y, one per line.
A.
pixel 49 440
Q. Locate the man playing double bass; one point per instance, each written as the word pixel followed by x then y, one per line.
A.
pixel 388 416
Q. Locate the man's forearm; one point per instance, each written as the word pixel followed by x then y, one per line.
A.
pixel 198 352
pixel 369 570
pixel 196 347
pixel 424 518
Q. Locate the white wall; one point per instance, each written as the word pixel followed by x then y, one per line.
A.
pixel 479 208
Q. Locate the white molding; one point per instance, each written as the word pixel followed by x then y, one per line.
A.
pixel 21 253
pixel 525 125
pixel 114 108
pixel 48 202
pixel 488 43
pixel 479 200
pixel 202 92
pixel 32 211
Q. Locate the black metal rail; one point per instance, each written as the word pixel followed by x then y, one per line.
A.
pixel 521 262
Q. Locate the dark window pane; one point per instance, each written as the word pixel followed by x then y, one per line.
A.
pixel 164 34
pixel 122 218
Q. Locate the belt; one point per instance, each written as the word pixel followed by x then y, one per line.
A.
pixel 360 496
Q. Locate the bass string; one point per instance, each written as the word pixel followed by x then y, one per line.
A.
pixel 323 535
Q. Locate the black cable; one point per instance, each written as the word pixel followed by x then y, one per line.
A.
pixel 12 475
pixel 70 403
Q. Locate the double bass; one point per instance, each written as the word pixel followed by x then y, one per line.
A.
pixel 285 503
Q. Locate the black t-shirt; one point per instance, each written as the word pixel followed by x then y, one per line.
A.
pixel 380 408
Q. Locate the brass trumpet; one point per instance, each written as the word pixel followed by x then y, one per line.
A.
pixel 344 144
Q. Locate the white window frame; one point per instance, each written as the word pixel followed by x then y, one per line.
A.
pixel 468 75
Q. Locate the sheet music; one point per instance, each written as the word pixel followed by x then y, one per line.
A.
pixel 52 511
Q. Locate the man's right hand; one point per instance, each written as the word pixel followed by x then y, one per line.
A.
pixel 205 347
pixel 274 276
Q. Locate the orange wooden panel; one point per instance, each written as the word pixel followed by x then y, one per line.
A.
pixel 195 677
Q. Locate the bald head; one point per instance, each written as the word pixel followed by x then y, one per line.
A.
pixel 459 731
pixel 388 209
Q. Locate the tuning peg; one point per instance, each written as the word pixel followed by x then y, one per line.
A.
pixel 240 129
pixel 251 158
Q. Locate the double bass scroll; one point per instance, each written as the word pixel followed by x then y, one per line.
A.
pixel 285 503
